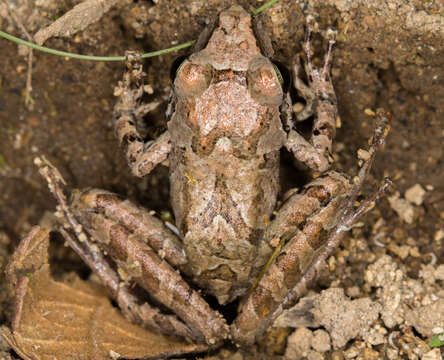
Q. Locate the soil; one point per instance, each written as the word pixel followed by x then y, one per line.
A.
pixel 388 54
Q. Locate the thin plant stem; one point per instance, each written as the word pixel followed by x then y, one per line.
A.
pixel 112 58
pixel 90 57
pixel 264 7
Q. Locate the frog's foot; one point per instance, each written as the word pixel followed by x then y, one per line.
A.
pixel 103 223
pixel 321 102
pixel 319 80
pixel 307 229
pixel 305 91
pixel 142 156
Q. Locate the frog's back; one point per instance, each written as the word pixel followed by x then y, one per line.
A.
pixel 226 134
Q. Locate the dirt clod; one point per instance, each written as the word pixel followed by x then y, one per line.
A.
pixel 434 354
pixel 321 341
pixel 415 194
pixel 298 344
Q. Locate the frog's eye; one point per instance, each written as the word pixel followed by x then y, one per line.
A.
pixel 265 81
pixel 283 75
pixel 192 79
pixel 177 64
pixel 278 74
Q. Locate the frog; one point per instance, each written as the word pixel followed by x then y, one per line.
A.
pixel 228 118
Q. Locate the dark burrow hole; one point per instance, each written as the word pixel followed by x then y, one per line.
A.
pixel 64 260
pixel 228 311
pixel 293 174
pixel 417 334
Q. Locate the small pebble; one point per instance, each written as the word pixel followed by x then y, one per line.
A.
pixel 415 194
pixel 363 154
pixel 298 107
pixel 403 208
pixel 439 235
pixel 369 112
pixel 321 341
pixel 434 354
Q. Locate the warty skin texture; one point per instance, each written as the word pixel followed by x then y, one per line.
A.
pixel 227 133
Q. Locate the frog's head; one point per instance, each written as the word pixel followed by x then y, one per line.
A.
pixel 233 43
pixel 232 48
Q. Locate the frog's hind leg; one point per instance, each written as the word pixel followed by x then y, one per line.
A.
pixel 307 229
pixel 297 234
pixel 142 156
pixel 103 223
pixel 140 313
pixel 135 219
pixel 83 246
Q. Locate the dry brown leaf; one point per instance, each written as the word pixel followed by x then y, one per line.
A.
pixel 75 320
pixel 77 19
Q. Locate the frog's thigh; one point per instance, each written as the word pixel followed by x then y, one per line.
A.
pixel 319 203
pixel 122 230
pixel 133 218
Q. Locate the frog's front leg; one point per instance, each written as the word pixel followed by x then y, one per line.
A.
pixel 103 222
pixel 306 230
pixel 142 156
pixel 321 102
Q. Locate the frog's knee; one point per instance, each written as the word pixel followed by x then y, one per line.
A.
pixel 92 198
pixel 328 185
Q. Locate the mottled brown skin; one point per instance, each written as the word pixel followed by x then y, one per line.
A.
pixel 224 164
pixel 303 222
pixel 139 262
pixel 224 134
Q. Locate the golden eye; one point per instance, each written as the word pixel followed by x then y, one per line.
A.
pixel 176 65
pixel 264 81
pixel 278 74
pixel 192 79
pixel 283 74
